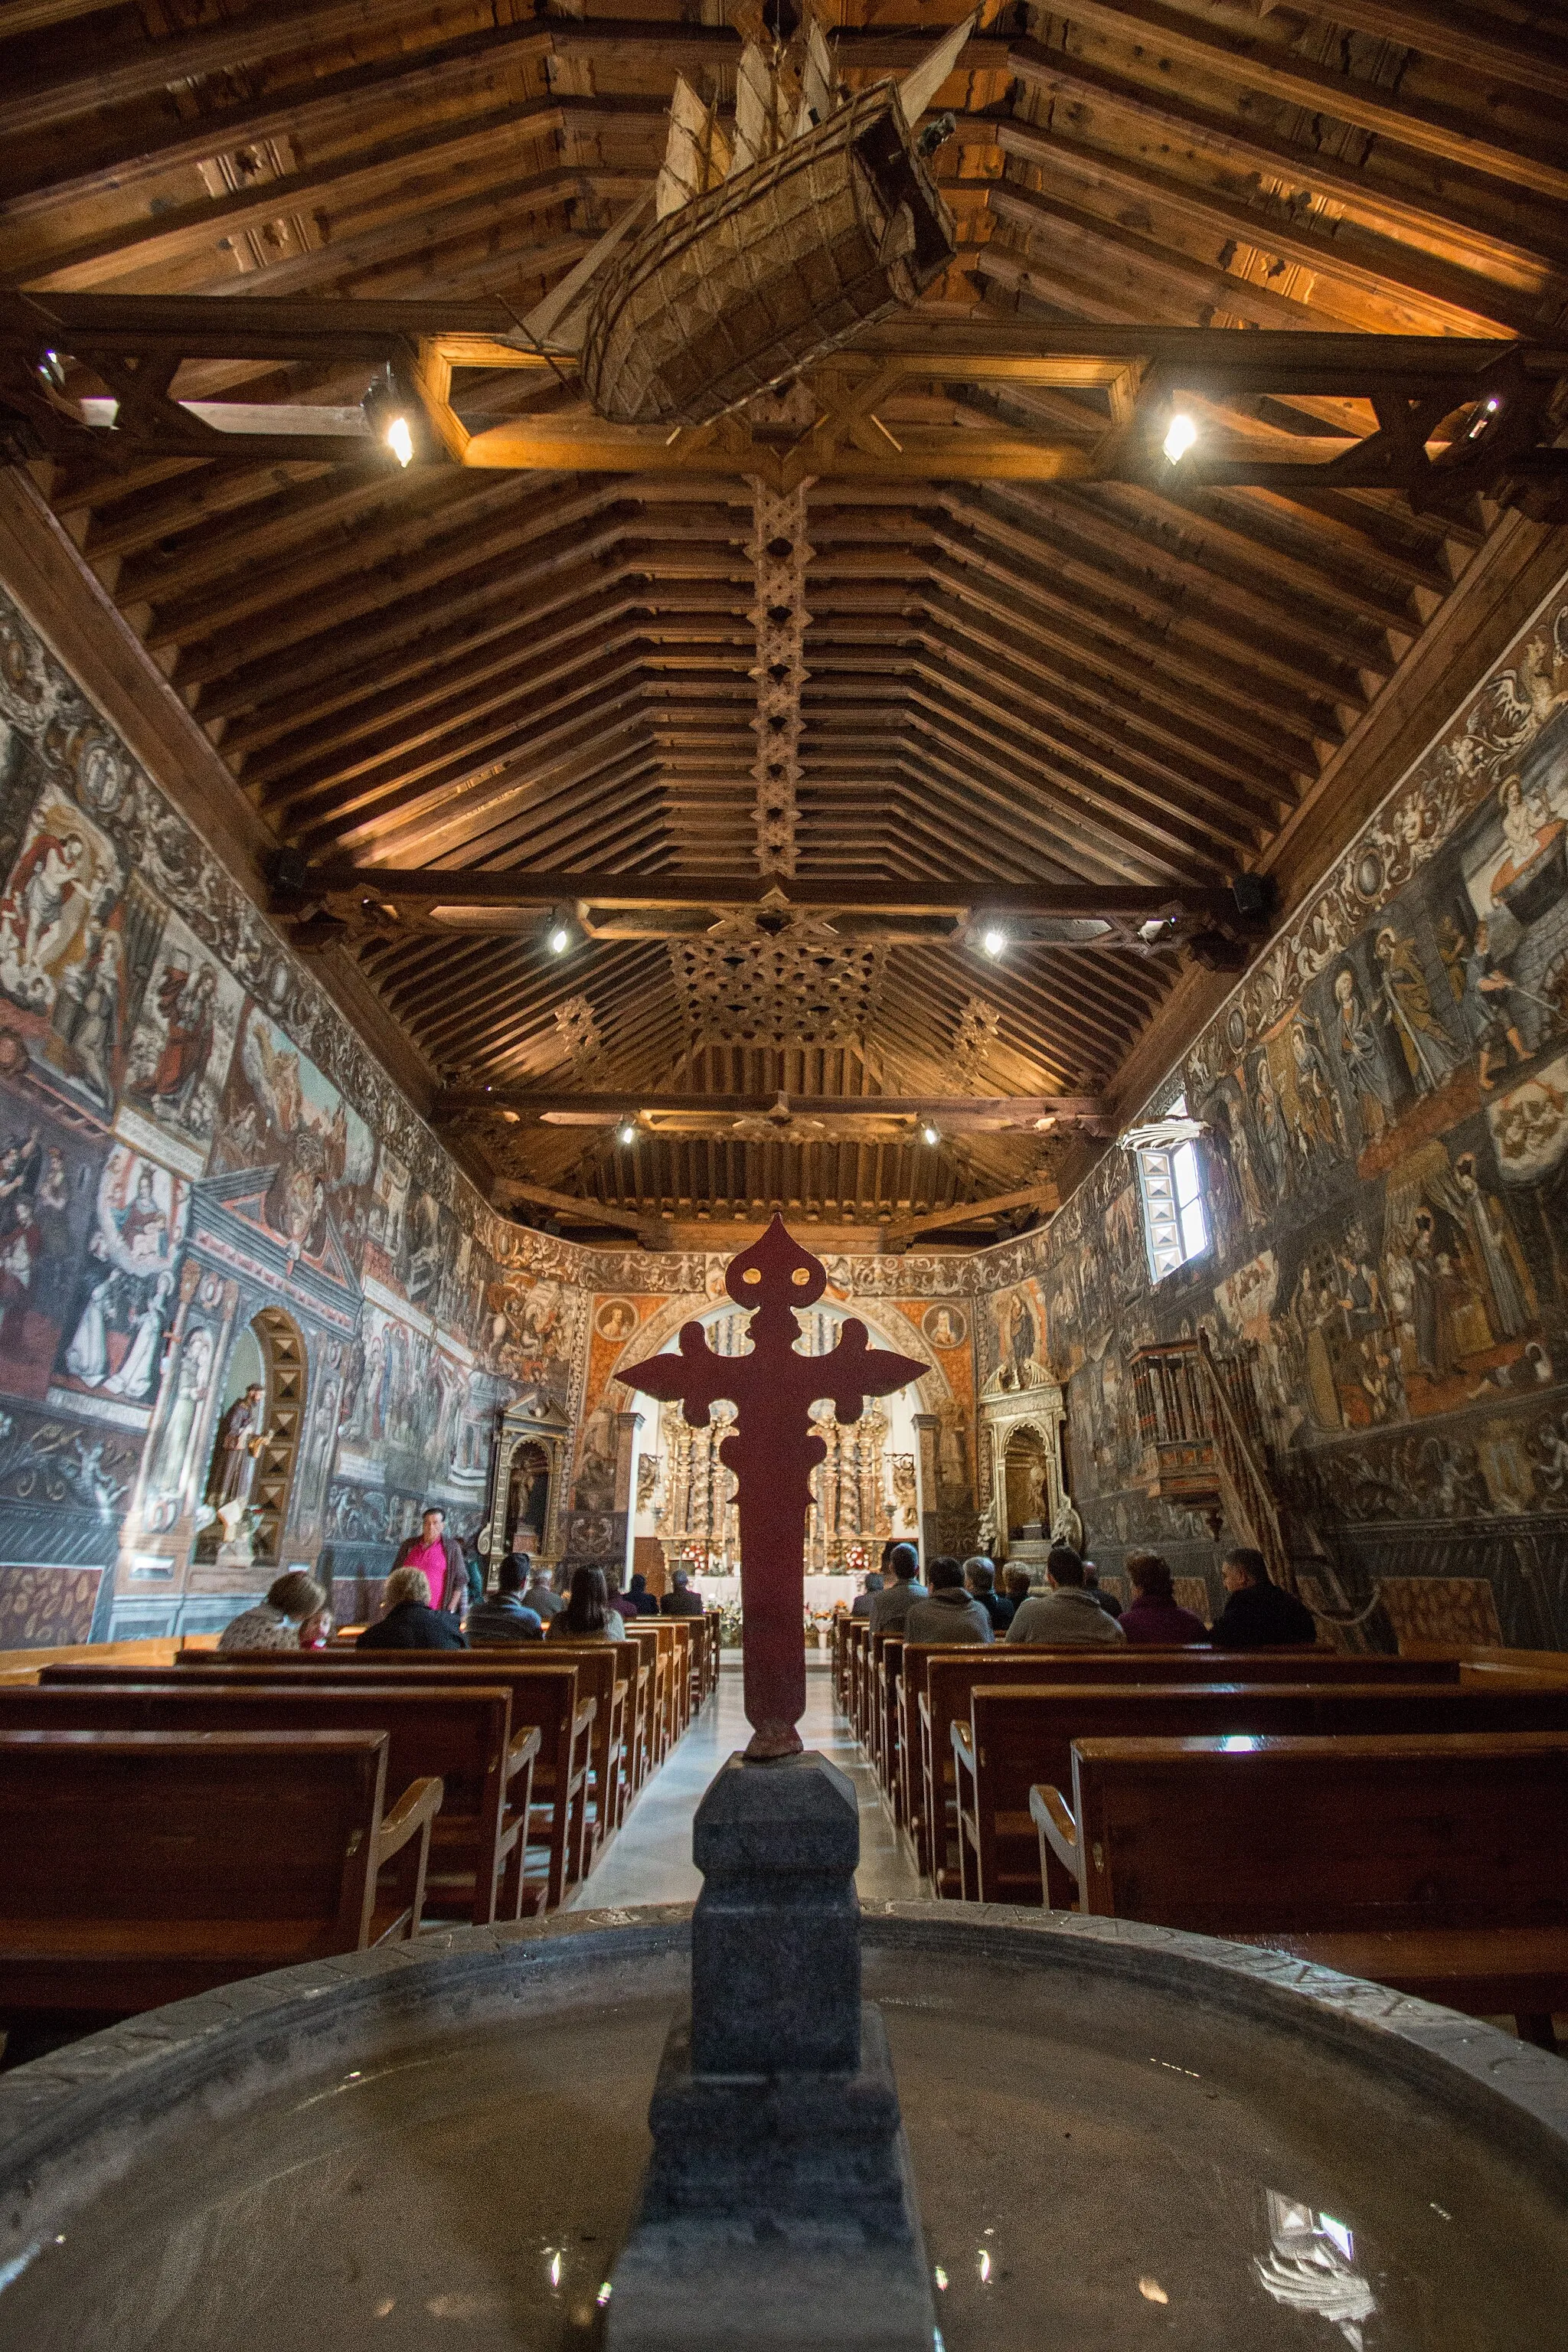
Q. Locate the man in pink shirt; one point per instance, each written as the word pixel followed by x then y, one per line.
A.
pixel 434 1551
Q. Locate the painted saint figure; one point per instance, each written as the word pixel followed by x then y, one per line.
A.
pixel 1363 1062
pixel 1431 1055
pixel 1511 1309
pixel 1489 1015
pixel 186 1002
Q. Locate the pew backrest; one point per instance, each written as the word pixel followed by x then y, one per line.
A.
pixel 1291 1835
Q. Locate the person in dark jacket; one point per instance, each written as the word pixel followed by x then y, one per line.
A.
pixel 503 1617
pixel 979 1576
pixel 1091 1584
pixel 1017 1586
pixel 1258 1615
pixel 409 1623
pixel 861 1604
pixel 1155 1614
pixel 948 1613
pixel 637 1591
pixel 680 1600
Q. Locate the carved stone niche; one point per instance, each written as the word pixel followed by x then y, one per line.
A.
pixel 525 1509
pixel 1021 1440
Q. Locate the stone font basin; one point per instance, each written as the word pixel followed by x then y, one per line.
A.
pixel 1122 2136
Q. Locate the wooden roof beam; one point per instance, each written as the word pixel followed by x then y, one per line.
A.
pixel 902 1231
pixel 509 1191
pixel 1269 66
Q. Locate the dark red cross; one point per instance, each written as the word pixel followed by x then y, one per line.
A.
pixel 772 1452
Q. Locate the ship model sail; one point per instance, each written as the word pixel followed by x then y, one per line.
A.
pixel 774 241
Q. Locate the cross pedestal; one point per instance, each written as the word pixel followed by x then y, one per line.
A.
pixel 779 2209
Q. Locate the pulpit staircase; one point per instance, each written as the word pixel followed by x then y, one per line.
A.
pixel 1206 1449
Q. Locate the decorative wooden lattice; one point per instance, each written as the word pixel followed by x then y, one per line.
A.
pixel 777 976
pixel 779 554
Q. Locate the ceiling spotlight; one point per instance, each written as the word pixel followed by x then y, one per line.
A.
pixel 931 1133
pixel 627 1132
pixel 388 416
pixel 1180 436
pixel 994 940
pixel 558 937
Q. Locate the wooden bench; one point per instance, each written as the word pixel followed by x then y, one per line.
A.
pixel 1434 1864
pixel 1023 1735
pixel 647 1630
pixel 938 1680
pixel 543 1694
pixel 461 1736
pixel 143 1867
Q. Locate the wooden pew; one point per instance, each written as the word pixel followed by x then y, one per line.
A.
pixel 460 1735
pixel 1433 1865
pixel 607 1680
pixel 543 1694
pixel 648 1631
pixel 938 1679
pixel 1023 1735
pixel 143 1867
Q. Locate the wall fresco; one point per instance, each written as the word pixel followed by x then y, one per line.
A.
pixel 191 1137
pixel 1385 1163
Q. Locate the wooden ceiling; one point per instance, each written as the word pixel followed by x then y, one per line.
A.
pixel 1139 682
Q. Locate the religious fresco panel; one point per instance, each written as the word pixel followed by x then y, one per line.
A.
pixel 190 1134
pixel 1386 1161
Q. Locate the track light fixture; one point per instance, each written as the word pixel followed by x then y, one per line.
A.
pixel 558 933
pixel 1180 436
pixel 391 416
pixel 993 940
pixel 626 1133
pixel 931 1133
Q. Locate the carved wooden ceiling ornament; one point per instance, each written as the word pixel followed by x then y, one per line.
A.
pixel 775 975
pixel 779 554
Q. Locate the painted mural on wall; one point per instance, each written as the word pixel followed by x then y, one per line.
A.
pixel 208 1187
pixel 1385 1100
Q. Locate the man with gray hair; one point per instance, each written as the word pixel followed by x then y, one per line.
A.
pixel 979 1576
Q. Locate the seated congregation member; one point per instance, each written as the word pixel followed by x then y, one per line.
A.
pixel 861 1604
pixel 540 1594
pixel 439 1557
pixel 316 1632
pixel 277 1623
pixel 890 1606
pixel 587 1616
pixel 680 1600
pixel 1258 1614
pixel 409 1623
pixel 642 1599
pixel 948 1613
pixel 979 1576
pixel 1155 1615
pixel 1069 1611
pixel 1091 1585
pixel 503 1616
pixel 1016 1585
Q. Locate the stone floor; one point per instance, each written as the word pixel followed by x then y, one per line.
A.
pixel 650 1862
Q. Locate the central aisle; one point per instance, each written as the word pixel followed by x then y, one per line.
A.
pixel 650 1862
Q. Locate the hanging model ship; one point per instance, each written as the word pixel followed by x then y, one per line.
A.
pixel 772 246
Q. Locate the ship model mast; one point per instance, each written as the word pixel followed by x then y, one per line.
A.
pixel 773 242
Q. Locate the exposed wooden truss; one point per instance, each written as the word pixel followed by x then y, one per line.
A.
pixel 1047 677
pixel 1445 418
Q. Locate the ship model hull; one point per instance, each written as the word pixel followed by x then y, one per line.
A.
pixel 771 269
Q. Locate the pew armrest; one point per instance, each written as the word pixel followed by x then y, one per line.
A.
pixel 415 1810
pixel 963 1747
pixel 523 1749
pixel 1049 1812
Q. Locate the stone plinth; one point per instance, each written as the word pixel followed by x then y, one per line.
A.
pixel 779 2208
